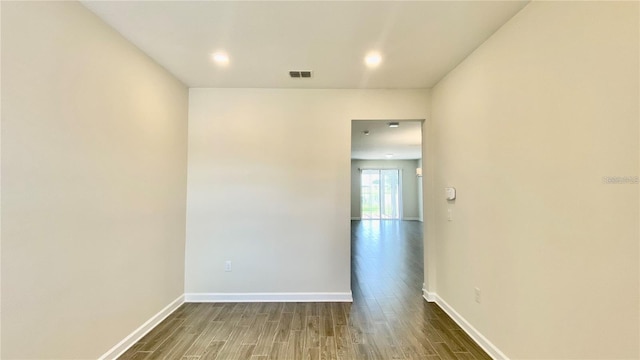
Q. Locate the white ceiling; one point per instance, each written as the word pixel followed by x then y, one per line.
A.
pixel 404 142
pixel 419 41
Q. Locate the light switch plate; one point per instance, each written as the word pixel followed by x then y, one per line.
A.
pixel 451 193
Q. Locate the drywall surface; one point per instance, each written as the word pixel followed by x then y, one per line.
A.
pixel 410 196
pixel 94 139
pixel 269 185
pixel 530 129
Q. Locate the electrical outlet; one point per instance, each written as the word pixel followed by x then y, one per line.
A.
pixel 477 293
pixel 227 266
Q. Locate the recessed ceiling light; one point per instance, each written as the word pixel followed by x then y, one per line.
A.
pixel 389 156
pixel 373 59
pixel 220 58
pixel 394 124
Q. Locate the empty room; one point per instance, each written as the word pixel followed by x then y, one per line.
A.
pixel 319 180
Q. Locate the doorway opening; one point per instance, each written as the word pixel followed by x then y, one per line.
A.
pixel 387 202
pixel 380 191
pixel 386 170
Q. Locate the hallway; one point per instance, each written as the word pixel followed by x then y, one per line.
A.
pixel 388 310
pixel 388 318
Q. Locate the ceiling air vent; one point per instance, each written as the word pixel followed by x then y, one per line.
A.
pixel 300 73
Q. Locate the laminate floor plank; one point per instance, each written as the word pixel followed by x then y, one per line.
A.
pixel 338 314
pixel 328 348
pixel 449 338
pixel 312 354
pixel 246 319
pixel 464 356
pixel 255 329
pixel 223 332
pixel 387 320
pixel 212 350
pixel 299 314
pixel 206 337
pixel 224 313
pixel 364 352
pixel 344 346
pixel 289 307
pixel 284 327
pixel 167 348
pixel 275 311
pixel 244 352
pixel 445 352
pixel 182 344
pixel 312 331
pixel 128 355
pixel 160 334
pixel 140 355
pixel 265 341
pixel 295 345
pixel 278 351
pixel 326 319
pixel 386 342
pixel 311 309
pixel 233 345
pixel 416 341
pixel 470 345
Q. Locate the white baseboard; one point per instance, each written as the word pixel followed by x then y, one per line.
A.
pixel 138 333
pixel 482 341
pixel 355 218
pixel 269 297
pixel 429 296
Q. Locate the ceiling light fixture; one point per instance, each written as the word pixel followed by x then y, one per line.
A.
pixel 389 156
pixel 366 132
pixel 220 58
pixel 394 124
pixel 373 59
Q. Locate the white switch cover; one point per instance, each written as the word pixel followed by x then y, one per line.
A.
pixel 227 266
pixel 450 214
pixel 451 193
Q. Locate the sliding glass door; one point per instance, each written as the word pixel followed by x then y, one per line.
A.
pixel 380 194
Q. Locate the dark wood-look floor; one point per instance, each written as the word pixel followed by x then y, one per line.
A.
pixel 388 318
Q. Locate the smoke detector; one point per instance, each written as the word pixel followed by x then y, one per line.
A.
pixel 296 74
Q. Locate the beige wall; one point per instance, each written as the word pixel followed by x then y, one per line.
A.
pixel 93 184
pixel 269 183
pixel 410 194
pixel 525 129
